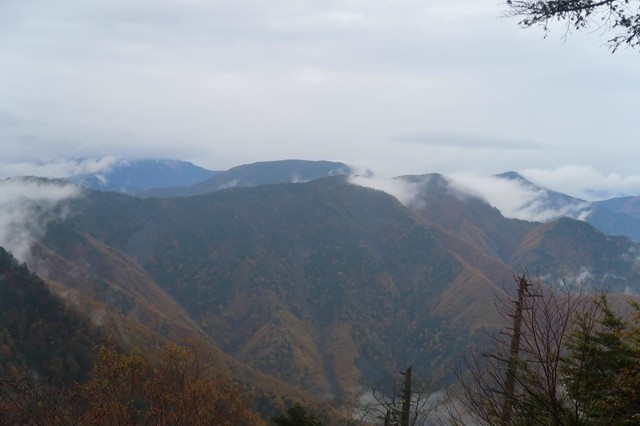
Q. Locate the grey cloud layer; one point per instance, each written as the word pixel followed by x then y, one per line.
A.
pixel 234 81
pixel 464 141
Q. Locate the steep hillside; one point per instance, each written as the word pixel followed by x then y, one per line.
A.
pixel 85 266
pixel 574 251
pixel 468 216
pixel 321 284
pixel 565 249
pixel 40 335
pixel 109 288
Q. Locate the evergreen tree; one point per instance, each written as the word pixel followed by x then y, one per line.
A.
pixel 297 415
pixel 598 356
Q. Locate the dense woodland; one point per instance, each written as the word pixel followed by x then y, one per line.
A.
pixel 38 332
pixel 564 357
pixel 57 368
pixel 306 301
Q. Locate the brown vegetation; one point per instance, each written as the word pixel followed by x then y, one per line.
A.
pixel 181 386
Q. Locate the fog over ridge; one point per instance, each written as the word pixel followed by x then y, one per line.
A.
pixel 58 167
pixel 514 199
pixel 27 206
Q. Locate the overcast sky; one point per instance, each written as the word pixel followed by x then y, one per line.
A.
pixel 398 86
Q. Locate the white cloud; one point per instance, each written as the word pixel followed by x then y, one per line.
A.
pixel 27 206
pixel 406 192
pixel 585 182
pixel 515 199
pixel 58 168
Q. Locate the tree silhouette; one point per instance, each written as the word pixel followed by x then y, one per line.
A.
pixel 619 16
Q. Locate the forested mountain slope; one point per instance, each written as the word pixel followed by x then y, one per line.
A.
pixel 41 335
pixel 304 281
pixel 322 285
pixel 564 249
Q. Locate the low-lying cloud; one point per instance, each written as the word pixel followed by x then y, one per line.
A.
pixel 585 182
pixel 59 168
pixel 406 192
pixel 27 206
pixel 515 199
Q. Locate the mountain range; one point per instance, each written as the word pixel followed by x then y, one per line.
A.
pixel 616 216
pixel 173 178
pixel 315 288
pixel 133 176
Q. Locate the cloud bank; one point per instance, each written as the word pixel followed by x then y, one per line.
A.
pixel 406 192
pixel 585 182
pixel 516 199
pixel 57 168
pixel 513 198
pixel 27 206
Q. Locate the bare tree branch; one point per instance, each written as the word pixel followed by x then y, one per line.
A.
pixel 620 15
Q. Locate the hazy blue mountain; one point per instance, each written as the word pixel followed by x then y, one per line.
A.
pixel 550 200
pixel 612 222
pixel 131 176
pixel 255 174
pixel 626 205
pixel 618 216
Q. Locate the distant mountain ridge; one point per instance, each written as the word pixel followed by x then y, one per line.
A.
pixel 132 176
pixel 261 173
pixel 321 285
pixel 562 249
pixel 550 200
pixel 618 216
pixel 173 178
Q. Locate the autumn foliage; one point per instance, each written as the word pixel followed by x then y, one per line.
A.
pixel 181 386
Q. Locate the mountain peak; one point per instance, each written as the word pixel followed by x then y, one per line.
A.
pixel 511 175
pixel 518 178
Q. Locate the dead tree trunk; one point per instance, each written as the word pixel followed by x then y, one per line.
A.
pixel 510 380
pixel 406 398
